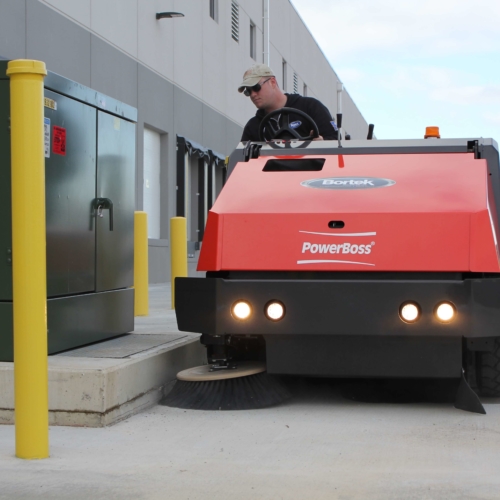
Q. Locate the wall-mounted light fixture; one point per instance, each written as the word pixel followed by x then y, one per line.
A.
pixel 161 15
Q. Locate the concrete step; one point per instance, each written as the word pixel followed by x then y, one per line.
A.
pixel 103 383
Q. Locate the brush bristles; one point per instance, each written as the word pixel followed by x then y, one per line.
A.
pixel 242 393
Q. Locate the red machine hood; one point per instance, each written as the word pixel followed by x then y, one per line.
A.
pixel 400 212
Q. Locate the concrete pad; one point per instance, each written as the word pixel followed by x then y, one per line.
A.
pixel 96 391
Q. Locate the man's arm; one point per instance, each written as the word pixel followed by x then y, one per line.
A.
pixel 320 114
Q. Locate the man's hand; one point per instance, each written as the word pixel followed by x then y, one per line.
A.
pixel 319 138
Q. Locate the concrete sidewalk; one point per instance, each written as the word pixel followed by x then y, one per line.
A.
pixel 316 446
pixel 105 382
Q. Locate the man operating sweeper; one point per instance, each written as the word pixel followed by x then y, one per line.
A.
pixel 260 84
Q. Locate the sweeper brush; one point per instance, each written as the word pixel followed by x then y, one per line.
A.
pixel 245 387
pixel 365 259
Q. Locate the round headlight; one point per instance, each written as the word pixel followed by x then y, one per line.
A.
pixel 409 312
pixel 445 312
pixel 274 310
pixel 241 310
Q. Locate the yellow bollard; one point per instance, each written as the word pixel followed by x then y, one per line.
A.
pixel 178 251
pixel 29 262
pixel 141 280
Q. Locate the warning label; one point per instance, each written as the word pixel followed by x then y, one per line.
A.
pixel 59 140
pixel 50 103
pixel 46 137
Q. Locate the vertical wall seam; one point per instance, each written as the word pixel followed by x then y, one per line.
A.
pixel 202 14
pixel 90 47
pixel 139 187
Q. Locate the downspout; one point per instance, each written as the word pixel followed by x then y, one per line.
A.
pixel 265 32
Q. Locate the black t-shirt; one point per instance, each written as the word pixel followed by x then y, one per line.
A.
pixel 314 108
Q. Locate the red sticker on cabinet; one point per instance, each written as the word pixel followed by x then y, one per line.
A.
pixel 59 140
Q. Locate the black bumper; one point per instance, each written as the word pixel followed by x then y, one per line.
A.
pixel 347 327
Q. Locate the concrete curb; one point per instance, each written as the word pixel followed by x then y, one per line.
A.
pixel 96 392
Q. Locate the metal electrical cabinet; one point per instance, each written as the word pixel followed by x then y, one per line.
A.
pixel 90 202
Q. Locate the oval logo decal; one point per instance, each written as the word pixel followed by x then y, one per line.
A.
pixel 295 124
pixel 348 183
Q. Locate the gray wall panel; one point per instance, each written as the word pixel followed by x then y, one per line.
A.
pixel 159 264
pixel 214 130
pixel 113 72
pixel 188 116
pixel 156 110
pixel 60 43
pixel 233 135
pixel 12 29
pixel 155 100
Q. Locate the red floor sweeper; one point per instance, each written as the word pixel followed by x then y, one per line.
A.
pixel 352 259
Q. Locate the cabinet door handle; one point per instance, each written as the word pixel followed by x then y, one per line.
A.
pixel 101 204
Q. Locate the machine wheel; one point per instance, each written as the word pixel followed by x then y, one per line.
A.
pixel 488 371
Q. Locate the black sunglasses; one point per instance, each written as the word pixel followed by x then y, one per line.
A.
pixel 256 88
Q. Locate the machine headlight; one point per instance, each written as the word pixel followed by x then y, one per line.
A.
pixel 241 310
pixel 274 310
pixel 409 312
pixel 445 312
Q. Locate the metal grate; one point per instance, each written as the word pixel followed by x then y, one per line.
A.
pixel 295 83
pixel 235 21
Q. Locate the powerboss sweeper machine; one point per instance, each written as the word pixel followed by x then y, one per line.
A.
pixel 349 259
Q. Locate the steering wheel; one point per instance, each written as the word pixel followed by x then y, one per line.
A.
pixel 277 128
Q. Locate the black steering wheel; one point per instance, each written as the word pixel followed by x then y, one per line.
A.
pixel 282 129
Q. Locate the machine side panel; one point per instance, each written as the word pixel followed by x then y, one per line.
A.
pixel 211 254
pixel 484 255
pixel 485 235
pixel 485 295
pixel 490 154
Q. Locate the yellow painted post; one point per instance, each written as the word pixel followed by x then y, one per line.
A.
pixel 141 281
pixel 178 251
pixel 28 258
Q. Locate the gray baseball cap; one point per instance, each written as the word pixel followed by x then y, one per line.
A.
pixel 253 75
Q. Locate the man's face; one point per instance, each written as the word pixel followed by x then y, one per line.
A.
pixel 265 96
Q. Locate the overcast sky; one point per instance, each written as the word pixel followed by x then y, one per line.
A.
pixel 410 64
